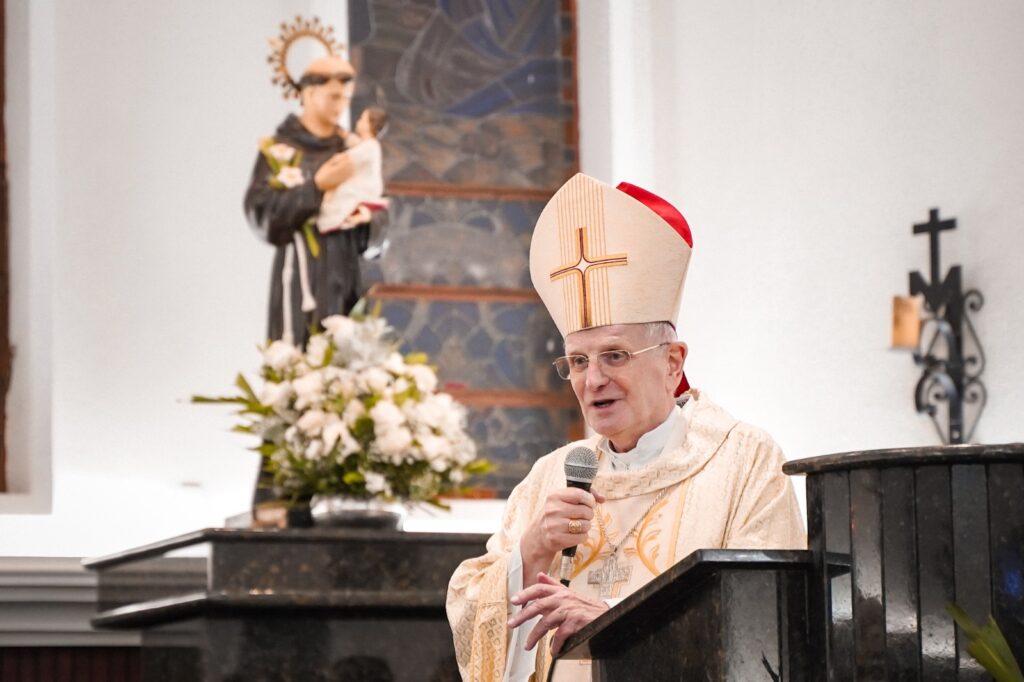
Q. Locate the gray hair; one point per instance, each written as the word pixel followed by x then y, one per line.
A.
pixel 659 332
pixel 655 332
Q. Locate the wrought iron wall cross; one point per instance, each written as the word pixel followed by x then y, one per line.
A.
pixel 950 370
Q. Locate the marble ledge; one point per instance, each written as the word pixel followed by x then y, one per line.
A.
pixel 198 604
pixel 304 536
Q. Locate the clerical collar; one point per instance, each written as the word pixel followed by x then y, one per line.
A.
pixel 648 447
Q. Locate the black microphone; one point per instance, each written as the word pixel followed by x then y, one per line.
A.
pixel 580 470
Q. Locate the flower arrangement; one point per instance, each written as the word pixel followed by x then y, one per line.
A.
pixel 350 415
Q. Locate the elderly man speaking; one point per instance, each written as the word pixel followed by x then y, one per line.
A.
pixel 676 473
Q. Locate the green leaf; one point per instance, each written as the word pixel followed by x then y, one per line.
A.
pixel 988 646
pixel 362 428
pixel 245 388
pixel 265 449
pixel 209 400
pixel 358 311
pixel 352 477
pixel 311 242
pixel 416 358
pixel 478 466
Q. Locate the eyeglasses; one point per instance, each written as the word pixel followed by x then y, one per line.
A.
pixel 608 360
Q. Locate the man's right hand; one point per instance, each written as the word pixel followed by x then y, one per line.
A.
pixel 333 172
pixel 549 532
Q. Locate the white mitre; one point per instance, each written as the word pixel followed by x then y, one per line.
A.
pixel 609 255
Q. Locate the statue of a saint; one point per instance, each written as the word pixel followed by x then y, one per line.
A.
pixel 316 271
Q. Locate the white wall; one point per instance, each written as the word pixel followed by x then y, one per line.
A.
pixel 136 282
pixel 802 140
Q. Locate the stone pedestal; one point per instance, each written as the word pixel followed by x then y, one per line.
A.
pixel 268 605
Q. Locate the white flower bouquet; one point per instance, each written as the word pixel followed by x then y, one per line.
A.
pixel 349 415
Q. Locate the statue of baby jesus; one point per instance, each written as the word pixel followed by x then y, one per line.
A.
pixel 350 203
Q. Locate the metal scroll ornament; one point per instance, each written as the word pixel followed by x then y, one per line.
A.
pixel 298 32
pixel 952 360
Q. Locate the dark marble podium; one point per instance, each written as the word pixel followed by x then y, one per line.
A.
pixel 310 605
pixel 724 615
pixel 893 537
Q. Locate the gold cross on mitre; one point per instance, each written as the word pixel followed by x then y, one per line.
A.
pixel 608 577
pixel 582 267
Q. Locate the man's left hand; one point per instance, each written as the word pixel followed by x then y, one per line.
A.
pixel 560 607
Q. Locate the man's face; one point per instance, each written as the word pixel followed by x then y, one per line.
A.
pixel 629 401
pixel 325 102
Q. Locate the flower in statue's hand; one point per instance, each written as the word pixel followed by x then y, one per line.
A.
pixel 290 176
pixel 281 152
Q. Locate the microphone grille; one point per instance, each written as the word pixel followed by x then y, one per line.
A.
pixel 580 465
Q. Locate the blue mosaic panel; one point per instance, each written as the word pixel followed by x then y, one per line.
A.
pixel 467 242
pixel 477 89
pixel 515 438
pixel 481 345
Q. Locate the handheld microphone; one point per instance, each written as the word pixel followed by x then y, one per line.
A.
pixel 580 470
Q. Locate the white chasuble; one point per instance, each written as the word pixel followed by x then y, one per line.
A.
pixel 717 484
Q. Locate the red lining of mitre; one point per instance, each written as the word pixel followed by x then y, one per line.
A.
pixel 669 213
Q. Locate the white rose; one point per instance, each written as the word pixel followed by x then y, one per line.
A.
pixel 395 364
pixel 315 450
pixel 401 385
pixel 309 390
pixel 333 428
pixel 340 328
pixel 275 395
pixel 353 411
pixel 316 350
pixel 394 444
pixel 386 416
pixel 424 377
pixel 428 413
pixel 456 476
pixel 280 355
pixel 375 380
pixel 290 176
pixel 281 152
pixel 312 422
pixel 437 451
pixel 375 483
pixel 349 445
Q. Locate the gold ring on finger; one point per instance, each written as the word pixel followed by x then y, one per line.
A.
pixel 575 526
